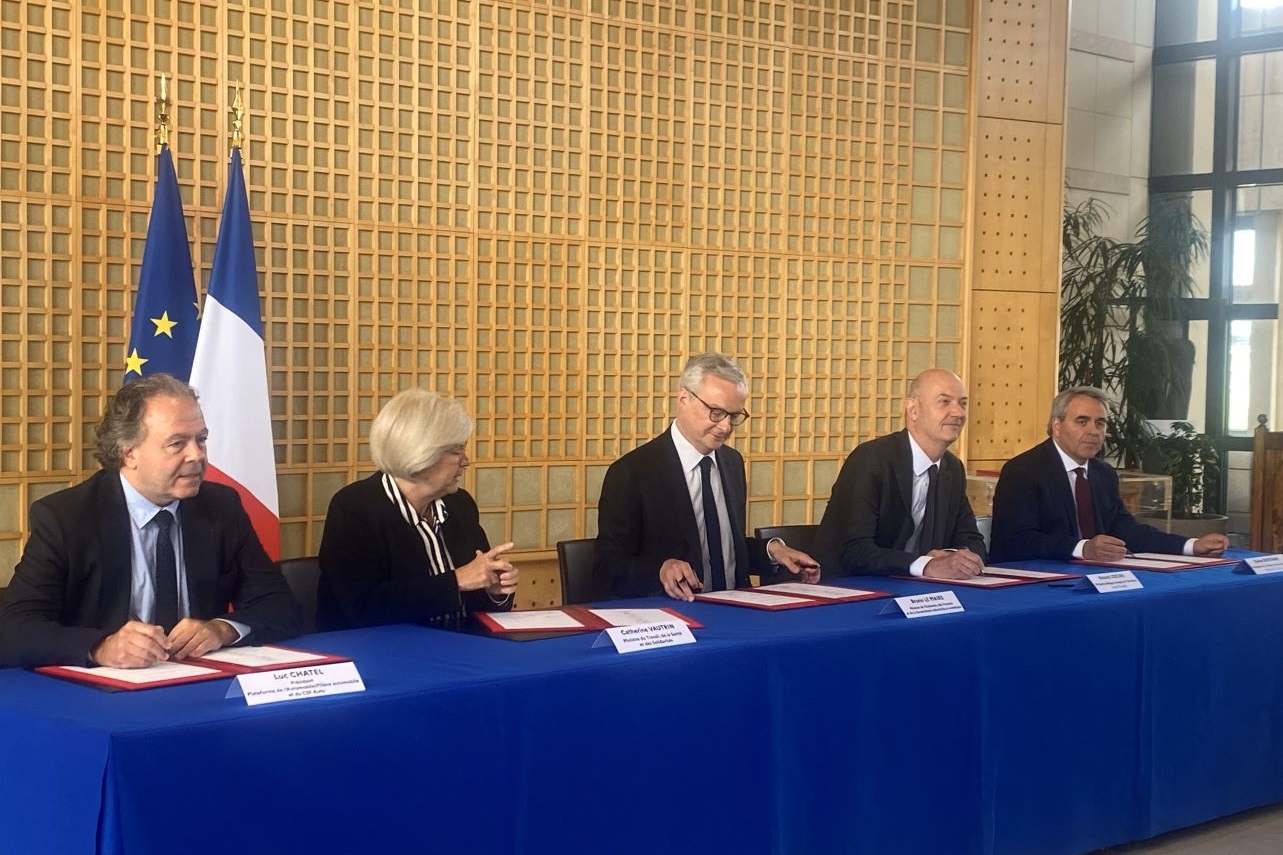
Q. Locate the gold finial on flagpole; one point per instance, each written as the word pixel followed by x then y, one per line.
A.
pixel 238 117
pixel 162 114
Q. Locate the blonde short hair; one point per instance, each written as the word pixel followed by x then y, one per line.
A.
pixel 414 429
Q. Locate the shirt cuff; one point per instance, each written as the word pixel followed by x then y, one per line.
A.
pixel 1189 547
pixel 1078 550
pixel 770 557
pixel 919 565
pixel 241 629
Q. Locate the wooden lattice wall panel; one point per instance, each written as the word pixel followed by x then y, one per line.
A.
pixel 540 208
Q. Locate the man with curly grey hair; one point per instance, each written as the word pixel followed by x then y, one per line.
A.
pixel 138 564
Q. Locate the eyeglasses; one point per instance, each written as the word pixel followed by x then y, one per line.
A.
pixel 716 414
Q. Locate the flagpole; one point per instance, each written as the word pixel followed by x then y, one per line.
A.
pixel 162 114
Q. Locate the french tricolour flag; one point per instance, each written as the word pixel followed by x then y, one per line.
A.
pixel 230 370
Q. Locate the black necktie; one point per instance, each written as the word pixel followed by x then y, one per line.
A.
pixel 712 530
pixel 165 615
pixel 926 538
pixel 1083 501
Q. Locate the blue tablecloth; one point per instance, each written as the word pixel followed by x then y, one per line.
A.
pixel 1042 720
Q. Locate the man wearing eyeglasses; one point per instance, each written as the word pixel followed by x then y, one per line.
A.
pixel 671 514
pixel 899 505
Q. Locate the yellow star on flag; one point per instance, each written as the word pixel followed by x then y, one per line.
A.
pixel 164 325
pixel 134 363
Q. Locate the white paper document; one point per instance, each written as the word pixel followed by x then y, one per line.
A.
pixel 158 673
pixel 1015 573
pixel 258 657
pixel 820 592
pixel 547 619
pixel 985 581
pixel 1148 563
pixel 632 617
pixel 751 597
pixel 1179 559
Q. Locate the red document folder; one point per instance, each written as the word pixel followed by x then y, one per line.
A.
pixel 1156 563
pixel 193 670
pixel 588 622
pixel 998 577
pixel 772 601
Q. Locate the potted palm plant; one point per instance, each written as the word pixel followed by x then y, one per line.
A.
pixel 1195 466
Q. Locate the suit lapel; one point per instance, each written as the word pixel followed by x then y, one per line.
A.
pixel 674 486
pixel 199 551
pixel 117 549
pixel 904 475
pixel 1068 506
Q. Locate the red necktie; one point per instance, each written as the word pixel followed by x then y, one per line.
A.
pixel 1086 509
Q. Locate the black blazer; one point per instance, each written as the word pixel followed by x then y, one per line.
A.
pixel 644 518
pixel 375 571
pixel 1034 515
pixel 869 518
pixel 71 589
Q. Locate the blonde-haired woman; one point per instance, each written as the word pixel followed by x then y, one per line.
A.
pixel 406 544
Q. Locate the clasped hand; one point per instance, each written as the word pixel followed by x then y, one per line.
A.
pixel 489 570
pixel 138 644
pixel 953 564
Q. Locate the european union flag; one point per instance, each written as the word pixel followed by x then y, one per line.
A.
pixel 162 336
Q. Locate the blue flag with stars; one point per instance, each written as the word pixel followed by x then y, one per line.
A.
pixel 162 336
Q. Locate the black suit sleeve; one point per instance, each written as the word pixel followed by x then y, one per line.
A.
pixel 621 565
pixel 1027 521
pixel 860 529
pixel 249 580
pixel 371 571
pixel 463 537
pixel 36 623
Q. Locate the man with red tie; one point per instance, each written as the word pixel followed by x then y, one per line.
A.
pixel 1058 500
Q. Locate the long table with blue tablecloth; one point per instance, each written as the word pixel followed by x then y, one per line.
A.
pixel 1042 720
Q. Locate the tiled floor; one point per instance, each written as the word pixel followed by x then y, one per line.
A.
pixel 1256 832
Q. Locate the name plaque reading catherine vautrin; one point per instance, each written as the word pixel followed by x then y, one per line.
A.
pixel 270 687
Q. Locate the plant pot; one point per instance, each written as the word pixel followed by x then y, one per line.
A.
pixel 1200 525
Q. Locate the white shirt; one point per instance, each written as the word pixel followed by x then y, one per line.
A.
pixel 918 506
pixel 142 552
pixel 690 458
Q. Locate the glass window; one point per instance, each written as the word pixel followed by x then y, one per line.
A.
pixel 1200 205
pixel 1260 16
pixel 1260 104
pixel 1254 376
pixel 1179 22
pixel 1258 241
pixel 1184 94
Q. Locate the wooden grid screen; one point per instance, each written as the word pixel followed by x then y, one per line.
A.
pixel 540 208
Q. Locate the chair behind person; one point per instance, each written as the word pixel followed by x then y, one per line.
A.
pixel 1267 489
pixel 303 575
pixel 799 537
pixel 575 558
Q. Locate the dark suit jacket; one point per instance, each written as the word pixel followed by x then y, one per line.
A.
pixel 869 518
pixel 375 571
pixel 1034 515
pixel 71 589
pixel 645 517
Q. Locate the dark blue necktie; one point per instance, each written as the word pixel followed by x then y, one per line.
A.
pixel 712 530
pixel 165 615
pixel 927 537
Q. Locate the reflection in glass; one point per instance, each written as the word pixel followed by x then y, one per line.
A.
pixel 1200 205
pixel 1254 375
pixel 1181 142
pixel 1198 383
pixel 1260 103
pixel 1178 22
pixel 1260 16
pixel 1258 241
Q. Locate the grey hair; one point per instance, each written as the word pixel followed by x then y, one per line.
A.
pixel 122 422
pixel 1060 404
pixel 414 429
pixel 699 367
